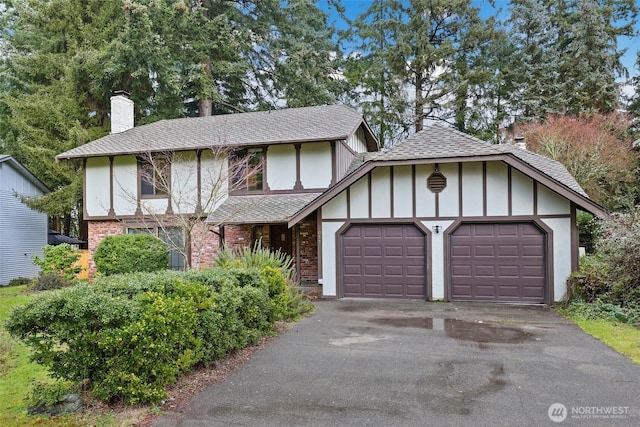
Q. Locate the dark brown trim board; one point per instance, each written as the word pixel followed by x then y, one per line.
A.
pixel 111 213
pixel 575 240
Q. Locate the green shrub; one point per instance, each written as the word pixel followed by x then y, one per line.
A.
pixel 259 266
pixel 589 283
pixel 49 393
pixel 603 310
pixel 19 281
pixel 49 281
pixel 618 246
pixel 128 253
pixel 60 259
pixel 257 257
pixel 129 336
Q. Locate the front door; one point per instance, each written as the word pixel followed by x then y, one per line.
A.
pixel 280 239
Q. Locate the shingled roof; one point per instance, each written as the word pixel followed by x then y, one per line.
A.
pixel 291 125
pixel 260 209
pixel 439 143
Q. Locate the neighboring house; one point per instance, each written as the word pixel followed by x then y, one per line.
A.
pixel 298 154
pixel 23 231
pixel 440 216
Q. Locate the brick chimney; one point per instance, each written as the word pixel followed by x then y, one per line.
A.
pixel 121 112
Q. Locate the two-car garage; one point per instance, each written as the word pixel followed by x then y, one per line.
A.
pixel 500 262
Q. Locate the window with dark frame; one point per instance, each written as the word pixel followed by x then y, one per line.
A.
pixel 173 237
pixel 154 176
pixel 247 170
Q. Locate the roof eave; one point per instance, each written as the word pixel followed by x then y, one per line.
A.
pixel 63 156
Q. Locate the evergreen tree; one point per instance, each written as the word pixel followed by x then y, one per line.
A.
pixel 568 54
pixel 407 52
pixel 63 58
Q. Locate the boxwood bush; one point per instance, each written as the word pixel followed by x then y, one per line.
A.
pixel 131 335
pixel 128 253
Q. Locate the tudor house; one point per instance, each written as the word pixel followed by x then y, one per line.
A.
pixel 440 216
pixel 294 155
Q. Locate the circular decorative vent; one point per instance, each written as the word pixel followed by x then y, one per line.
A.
pixel 436 182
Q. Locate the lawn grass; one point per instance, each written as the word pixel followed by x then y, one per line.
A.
pixel 17 374
pixel 623 338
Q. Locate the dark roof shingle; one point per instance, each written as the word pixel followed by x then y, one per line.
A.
pixel 260 209
pixel 438 141
pixel 320 123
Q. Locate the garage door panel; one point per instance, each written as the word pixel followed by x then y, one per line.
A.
pixel 393 270
pixel 393 251
pixel 511 251
pixel 392 260
pixel 484 291
pixel 514 273
pixel 461 251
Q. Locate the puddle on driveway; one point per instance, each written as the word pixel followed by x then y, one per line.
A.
pixel 461 329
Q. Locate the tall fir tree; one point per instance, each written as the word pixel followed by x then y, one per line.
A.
pixel 63 58
pixel 407 53
pixel 569 59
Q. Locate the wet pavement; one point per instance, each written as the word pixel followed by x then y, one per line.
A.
pixel 411 363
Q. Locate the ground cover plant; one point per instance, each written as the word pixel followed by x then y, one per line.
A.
pixel 603 296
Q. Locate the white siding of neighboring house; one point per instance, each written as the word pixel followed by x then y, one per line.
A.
pixel 23 231
pixel 316 168
pixel 475 184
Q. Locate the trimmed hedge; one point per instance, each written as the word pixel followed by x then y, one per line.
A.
pixel 131 335
pixel 129 253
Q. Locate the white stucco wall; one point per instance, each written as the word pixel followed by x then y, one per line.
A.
pixel 281 167
pixel 184 182
pixel 425 199
pixel 336 207
pixel 551 203
pixel 561 254
pixel 521 194
pixel 97 174
pixel 472 195
pixel 380 193
pixel 359 198
pixel 125 185
pixel 214 174
pixel 437 257
pixel 497 189
pixel 329 246
pixel 315 165
pixel 402 192
pixel 449 197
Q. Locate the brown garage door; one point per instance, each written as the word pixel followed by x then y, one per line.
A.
pixel 498 262
pixel 383 261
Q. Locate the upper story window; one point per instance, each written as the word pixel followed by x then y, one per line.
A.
pixel 247 170
pixel 154 175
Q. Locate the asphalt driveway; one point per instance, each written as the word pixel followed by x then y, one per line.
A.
pixel 411 363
